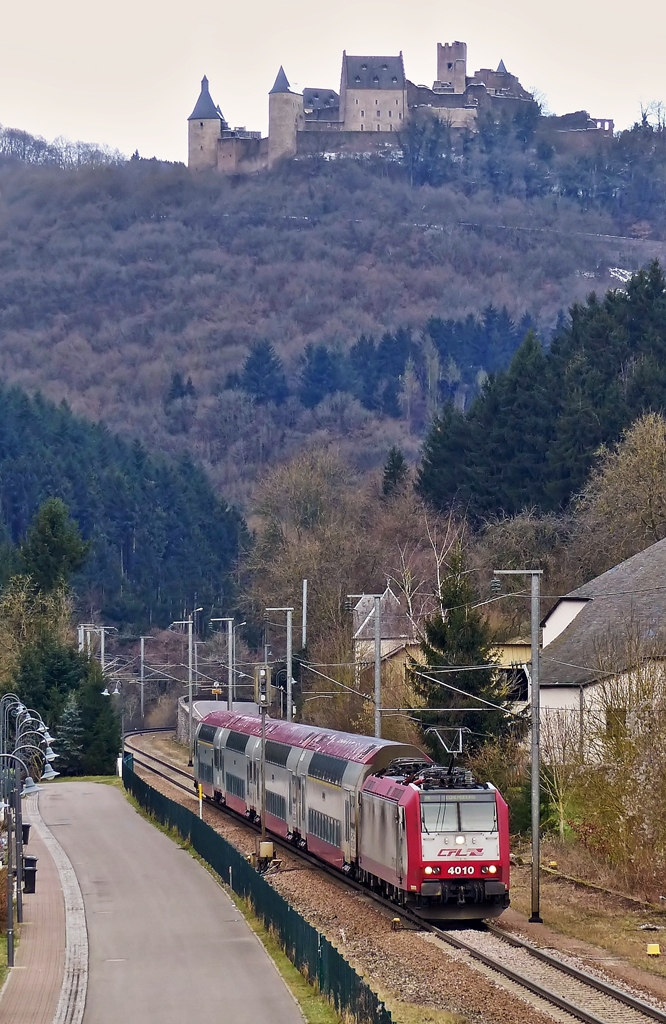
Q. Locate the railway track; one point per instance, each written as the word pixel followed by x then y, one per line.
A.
pixel 575 993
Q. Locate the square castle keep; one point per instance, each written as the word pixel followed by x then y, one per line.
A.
pixel 372 107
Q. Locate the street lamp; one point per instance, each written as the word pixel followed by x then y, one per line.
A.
pixel 535 695
pixel 29 787
pixel 290 612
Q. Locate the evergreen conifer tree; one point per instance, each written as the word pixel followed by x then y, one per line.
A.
pixel 263 375
pixel 71 739
pixel 458 635
pixel 396 472
pixel 54 549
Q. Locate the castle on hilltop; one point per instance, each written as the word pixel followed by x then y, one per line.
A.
pixel 374 103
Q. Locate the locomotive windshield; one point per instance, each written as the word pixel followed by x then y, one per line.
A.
pixel 458 812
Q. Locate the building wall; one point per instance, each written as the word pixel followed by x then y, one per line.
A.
pixel 241 156
pixel 285 119
pixel 203 137
pixel 311 143
pixel 561 616
pixel 372 110
pixel 452 65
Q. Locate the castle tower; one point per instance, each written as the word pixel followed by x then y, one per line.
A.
pixel 452 65
pixel 204 128
pixel 285 118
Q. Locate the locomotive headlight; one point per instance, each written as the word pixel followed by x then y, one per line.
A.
pixel 427 870
pixel 460 840
pixel 492 869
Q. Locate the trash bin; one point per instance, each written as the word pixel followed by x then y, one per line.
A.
pixel 25 832
pixel 29 873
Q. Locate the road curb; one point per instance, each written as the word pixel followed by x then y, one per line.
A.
pixel 72 1001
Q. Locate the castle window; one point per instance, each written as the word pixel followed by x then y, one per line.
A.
pixel 364 67
pixel 201 124
pixel 396 103
pixel 375 78
pixel 356 102
pixel 449 67
pixel 384 67
pixel 361 127
pixel 379 127
pixel 390 113
pixel 390 127
pixel 400 117
pixel 394 79
pixel 363 113
pixel 358 78
pixel 379 113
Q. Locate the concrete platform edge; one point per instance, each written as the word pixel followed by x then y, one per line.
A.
pixel 72 1001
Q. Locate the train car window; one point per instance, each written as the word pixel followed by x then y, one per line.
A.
pixel 277 753
pixel 276 805
pixel 468 812
pixel 207 733
pixel 441 816
pixel 324 827
pixel 237 741
pixel 235 786
pixel 327 768
pixel 479 816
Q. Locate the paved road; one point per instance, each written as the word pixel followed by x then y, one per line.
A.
pixel 167 946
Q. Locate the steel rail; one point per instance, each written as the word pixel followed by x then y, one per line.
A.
pixel 605 988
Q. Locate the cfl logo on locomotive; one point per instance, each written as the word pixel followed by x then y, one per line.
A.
pixel 477 852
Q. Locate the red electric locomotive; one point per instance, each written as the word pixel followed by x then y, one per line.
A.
pixel 428 837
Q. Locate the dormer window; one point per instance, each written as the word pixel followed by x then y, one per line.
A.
pixel 394 79
pixel 384 67
pixel 358 78
pixel 375 78
pixel 364 67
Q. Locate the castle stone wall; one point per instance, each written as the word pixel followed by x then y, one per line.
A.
pixel 372 110
pixel 285 119
pixel 203 137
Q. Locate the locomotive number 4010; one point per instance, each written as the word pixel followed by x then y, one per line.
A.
pixel 461 869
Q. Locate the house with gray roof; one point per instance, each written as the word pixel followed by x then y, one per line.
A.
pixel 604 630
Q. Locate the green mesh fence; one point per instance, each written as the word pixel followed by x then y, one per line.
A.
pixel 308 949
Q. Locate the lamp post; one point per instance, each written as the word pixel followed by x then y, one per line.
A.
pixel 230 658
pixel 290 613
pixel 16 760
pixel 535 702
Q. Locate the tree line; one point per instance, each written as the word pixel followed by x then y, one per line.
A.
pixel 530 438
pixel 159 538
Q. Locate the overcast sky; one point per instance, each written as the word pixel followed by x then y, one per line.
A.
pixel 127 73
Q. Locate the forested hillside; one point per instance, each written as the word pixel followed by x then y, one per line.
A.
pixel 121 283
pixel 530 438
pixel 160 539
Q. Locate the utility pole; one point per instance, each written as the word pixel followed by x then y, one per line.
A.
pixel 535 703
pixel 377 598
pixel 189 691
pixel 230 659
pixel 304 617
pixel 378 667
pixel 290 657
pixel 143 670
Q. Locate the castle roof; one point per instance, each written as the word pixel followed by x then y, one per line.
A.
pixel 373 72
pixel 204 108
pixel 501 68
pixel 281 83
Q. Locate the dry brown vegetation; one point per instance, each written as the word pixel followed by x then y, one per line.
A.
pixel 113 278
